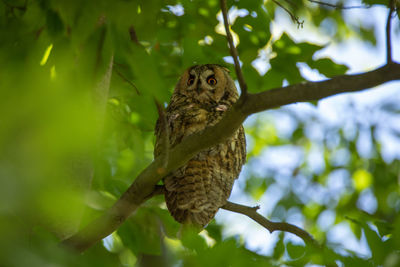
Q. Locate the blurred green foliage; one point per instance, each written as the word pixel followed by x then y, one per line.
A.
pixel 64 159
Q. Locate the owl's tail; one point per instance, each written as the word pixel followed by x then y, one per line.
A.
pixel 196 191
pixel 194 214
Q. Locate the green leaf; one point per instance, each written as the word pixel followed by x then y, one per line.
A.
pixel 256 187
pixel 192 240
pixel 368 34
pixel 215 231
pixel 327 67
pixel 295 251
pixel 250 4
pixel 384 227
pixel 279 248
pixel 375 243
pixel 54 23
pixel 375 2
pixel 287 48
pixel 145 229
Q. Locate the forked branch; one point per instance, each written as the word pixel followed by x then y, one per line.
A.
pixel 252 213
pixel 292 16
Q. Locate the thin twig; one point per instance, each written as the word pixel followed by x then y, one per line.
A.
pixel 126 80
pixel 292 16
pixel 20 8
pixel 234 53
pixel 388 33
pixel 339 6
pixel 252 213
pixel 38 32
pixel 133 35
pixel 290 2
pixel 165 136
pixel 100 49
pixel 125 66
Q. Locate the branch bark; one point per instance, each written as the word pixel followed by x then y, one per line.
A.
pixel 311 91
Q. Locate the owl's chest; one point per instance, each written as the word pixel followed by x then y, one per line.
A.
pixel 190 119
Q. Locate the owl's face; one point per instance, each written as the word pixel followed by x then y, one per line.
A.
pixel 206 83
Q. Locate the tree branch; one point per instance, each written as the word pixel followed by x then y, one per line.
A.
pixel 127 80
pixel 133 35
pixel 158 190
pixel 252 213
pixel 292 16
pixel 145 183
pixel 100 44
pixel 311 91
pixel 339 6
pixel 388 33
pixel 233 51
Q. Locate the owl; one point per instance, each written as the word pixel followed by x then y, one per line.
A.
pixel 195 191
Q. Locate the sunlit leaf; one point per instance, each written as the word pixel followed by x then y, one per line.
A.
pixel 362 179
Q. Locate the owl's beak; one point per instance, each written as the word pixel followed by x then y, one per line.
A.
pixel 199 87
pixel 199 90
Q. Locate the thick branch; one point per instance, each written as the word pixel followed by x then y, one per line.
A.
pixel 252 213
pixel 145 183
pixel 311 91
pixel 233 51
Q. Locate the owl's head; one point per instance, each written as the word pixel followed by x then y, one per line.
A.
pixel 207 83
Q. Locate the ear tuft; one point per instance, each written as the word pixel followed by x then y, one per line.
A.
pixel 226 69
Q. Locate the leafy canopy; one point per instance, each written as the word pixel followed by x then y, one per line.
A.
pixel 54 135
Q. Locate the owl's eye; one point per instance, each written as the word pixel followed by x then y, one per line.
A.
pixel 190 81
pixel 211 81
